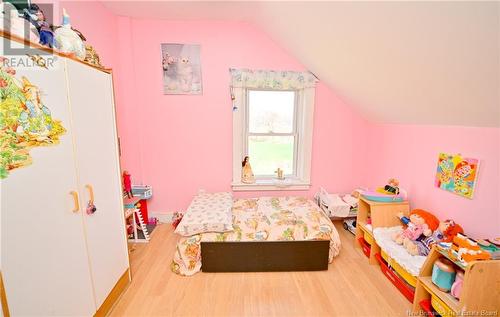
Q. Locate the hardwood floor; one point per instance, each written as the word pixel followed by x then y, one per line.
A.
pixel 350 287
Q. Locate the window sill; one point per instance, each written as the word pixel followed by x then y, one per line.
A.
pixel 272 184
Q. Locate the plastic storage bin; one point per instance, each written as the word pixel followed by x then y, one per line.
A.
pixel 410 279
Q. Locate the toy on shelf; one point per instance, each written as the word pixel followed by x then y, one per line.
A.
pixel 68 41
pixel 142 191
pixel 445 232
pixel 391 187
pixel 127 184
pixel 419 223
pixel 389 193
pixel 443 274
pixel 456 288
pixel 465 250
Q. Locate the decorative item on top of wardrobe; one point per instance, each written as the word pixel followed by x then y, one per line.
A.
pixel 247 176
pixel 37 17
pixel 91 56
pixel 67 40
pixel 12 22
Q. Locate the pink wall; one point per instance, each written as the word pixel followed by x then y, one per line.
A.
pixel 410 153
pixel 180 144
pixel 184 142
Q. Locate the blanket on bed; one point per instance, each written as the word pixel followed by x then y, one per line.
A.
pixel 262 219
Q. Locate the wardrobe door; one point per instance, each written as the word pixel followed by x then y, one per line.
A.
pixel 91 98
pixel 44 259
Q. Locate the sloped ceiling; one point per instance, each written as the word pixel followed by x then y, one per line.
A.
pixel 397 62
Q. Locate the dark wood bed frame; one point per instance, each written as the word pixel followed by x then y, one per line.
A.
pixel 266 256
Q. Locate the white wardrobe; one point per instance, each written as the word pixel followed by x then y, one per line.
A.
pixel 56 259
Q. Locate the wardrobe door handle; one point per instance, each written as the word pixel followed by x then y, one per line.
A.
pixel 75 201
pixel 91 192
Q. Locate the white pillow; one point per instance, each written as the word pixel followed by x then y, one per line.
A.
pixel 207 213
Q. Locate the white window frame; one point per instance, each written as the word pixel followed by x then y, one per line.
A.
pixel 304 117
pixel 294 133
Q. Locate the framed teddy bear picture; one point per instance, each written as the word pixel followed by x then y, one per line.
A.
pixel 181 67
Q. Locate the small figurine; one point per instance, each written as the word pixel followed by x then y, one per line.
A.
pixel 91 56
pixel 127 184
pixel 279 171
pixel 247 176
pixel 392 186
pixel 67 40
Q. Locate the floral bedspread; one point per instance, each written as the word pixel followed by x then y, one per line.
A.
pixel 262 219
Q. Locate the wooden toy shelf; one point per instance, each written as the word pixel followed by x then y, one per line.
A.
pixel 382 214
pixel 480 291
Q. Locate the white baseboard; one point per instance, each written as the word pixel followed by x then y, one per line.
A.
pixel 163 217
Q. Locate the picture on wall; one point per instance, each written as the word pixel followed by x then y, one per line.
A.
pixel 457 174
pixel 181 69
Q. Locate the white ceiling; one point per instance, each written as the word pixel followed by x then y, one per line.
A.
pixel 397 62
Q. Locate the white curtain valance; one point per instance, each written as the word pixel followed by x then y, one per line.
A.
pixel 270 79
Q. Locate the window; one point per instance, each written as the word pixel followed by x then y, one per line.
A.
pixel 271 132
pixel 272 124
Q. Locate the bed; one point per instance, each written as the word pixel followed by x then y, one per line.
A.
pixel 268 234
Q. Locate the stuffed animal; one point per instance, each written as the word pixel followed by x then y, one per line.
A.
pixel 446 231
pixel 419 223
pixel 67 40
pixel 392 186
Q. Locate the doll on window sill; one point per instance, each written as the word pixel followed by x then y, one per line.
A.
pixel 247 176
